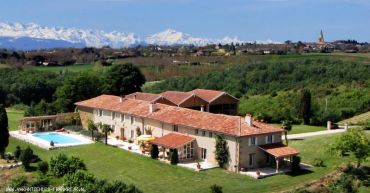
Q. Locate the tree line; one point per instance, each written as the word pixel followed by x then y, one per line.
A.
pixel 49 93
pixel 272 90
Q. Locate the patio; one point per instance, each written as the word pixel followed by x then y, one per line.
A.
pixel 135 148
pixel 269 171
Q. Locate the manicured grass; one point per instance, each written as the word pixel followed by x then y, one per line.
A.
pixel 13 116
pixel 153 176
pixel 303 128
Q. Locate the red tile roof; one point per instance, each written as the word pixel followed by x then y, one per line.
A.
pixel 47 117
pixel 226 124
pixel 208 95
pixel 143 96
pixel 176 96
pixel 279 150
pixel 173 140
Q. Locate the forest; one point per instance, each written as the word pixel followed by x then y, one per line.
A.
pixel 271 90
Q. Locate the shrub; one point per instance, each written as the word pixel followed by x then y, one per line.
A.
pixel 18 182
pixel 174 156
pixel 43 167
pixel 26 157
pixel 75 128
pixel 317 162
pixel 216 188
pixel 91 184
pixel 154 152
pixel 17 152
pixel 296 163
pixel 62 165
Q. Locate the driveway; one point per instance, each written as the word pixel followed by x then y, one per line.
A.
pixel 311 134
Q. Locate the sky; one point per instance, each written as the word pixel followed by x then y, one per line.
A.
pixel 249 20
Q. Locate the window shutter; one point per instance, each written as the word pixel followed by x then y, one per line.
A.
pixel 267 139
pixel 256 140
pixel 273 138
pixel 250 141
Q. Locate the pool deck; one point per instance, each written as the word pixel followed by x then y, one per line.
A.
pixel 29 138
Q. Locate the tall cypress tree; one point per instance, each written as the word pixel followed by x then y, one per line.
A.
pixel 222 151
pixel 305 106
pixel 4 132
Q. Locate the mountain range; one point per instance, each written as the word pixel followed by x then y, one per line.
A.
pixel 33 36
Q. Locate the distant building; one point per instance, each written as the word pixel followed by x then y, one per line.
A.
pixel 321 42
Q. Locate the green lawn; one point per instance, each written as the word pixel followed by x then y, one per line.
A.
pixel 303 128
pixel 153 176
pixel 13 116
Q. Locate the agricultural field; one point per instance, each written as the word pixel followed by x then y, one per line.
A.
pixel 361 119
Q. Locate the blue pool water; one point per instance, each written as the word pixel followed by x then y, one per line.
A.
pixel 57 138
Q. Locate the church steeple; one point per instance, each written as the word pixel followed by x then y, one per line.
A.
pixel 321 38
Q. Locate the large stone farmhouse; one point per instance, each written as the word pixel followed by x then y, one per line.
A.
pixel 251 143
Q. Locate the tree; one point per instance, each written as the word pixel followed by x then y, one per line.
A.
pixel 106 129
pixel 62 165
pixel 287 126
pixel 4 132
pixel 222 151
pixel 174 156
pixel 91 127
pixel 305 106
pixel 216 188
pixel 123 79
pixel 352 141
pixel 26 157
pixel 154 152
pixel 78 87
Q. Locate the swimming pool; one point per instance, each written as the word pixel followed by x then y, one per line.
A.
pixel 57 138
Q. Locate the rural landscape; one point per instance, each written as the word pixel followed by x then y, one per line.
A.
pixel 112 112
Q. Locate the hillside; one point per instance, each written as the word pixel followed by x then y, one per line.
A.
pixel 361 119
pixel 270 88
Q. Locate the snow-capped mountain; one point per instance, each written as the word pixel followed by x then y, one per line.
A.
pixel 34 36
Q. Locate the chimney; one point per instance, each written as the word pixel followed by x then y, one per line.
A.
pixel 202 108
pixel 152 107
pixel 134 96
pixel 120 99
pixel 249 120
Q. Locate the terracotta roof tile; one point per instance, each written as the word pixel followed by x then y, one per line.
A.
pixel 279 150
pixel 176 96
pixel 207 95
pixel 143 96
pixel 173 140
pixel 226 124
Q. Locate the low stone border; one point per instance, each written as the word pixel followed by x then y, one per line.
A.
pixel 10 166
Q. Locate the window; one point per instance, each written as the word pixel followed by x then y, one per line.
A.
pixel 113 115
pixel 203 153
pixel 251 159
pixel 132 120
pixel 269 139
pixel 196 131
pixel 188 151
pixel 132 134
pixel 100 112
pixel 175 128
pixel 113 128
pixel 203 133
pixel 122 118
pixel 252 141
pixel 210 134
